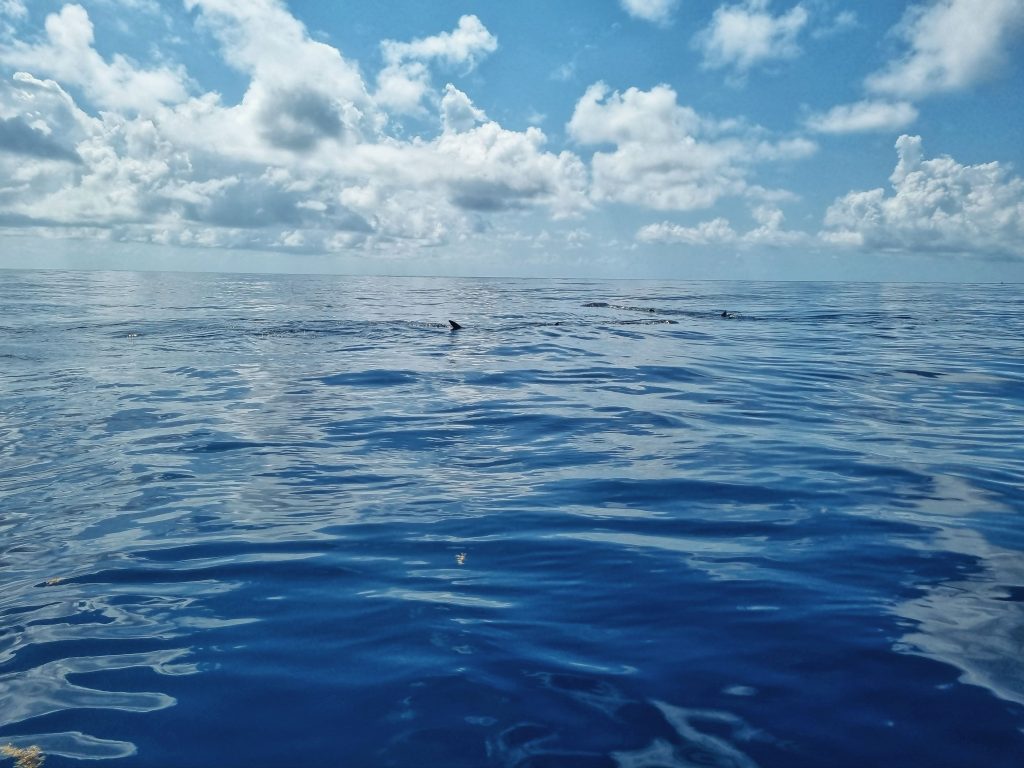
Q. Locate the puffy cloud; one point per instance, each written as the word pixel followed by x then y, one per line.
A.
pixel 302 162
pixel 301 91
pixel 935 205
pixel 457 111
pixel 952 44
pixel 719 231
pixel 656 11
pixel 20 137
pixel 401 88
pixel 490 168
pixel 464 45
pixel 469 169
pixel 47 107
pixel 653 116
pixel 770 232
pixel 405 80
pixel 744 35
pixel 716 231
pixel 44 159
pixel 666 156
pixel 67 54
pixel 864 116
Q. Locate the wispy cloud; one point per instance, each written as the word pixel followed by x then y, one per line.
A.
pixel 655 11
pixel 14 9
pixel 863 117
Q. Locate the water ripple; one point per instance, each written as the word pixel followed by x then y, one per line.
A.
pixel 600 525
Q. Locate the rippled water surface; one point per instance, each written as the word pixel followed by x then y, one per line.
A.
pixel 282 521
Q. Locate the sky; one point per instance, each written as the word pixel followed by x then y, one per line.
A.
pixel 700 139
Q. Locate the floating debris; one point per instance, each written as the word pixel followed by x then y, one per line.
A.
pixel 24 757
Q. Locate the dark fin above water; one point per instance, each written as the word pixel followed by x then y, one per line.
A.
pixel 453 325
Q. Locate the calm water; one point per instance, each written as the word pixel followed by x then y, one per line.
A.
pixel 281 521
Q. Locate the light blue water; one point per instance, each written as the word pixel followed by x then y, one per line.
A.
pixel 280 521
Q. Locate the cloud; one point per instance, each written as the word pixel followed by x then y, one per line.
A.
pixel 303 161
pixel 465 45
pixel 666 156
pixel 951 44
pixel 13 9
pixel 770 232
pixel 656 11
pixel 67 54
pixel 719 231
pixel 936 205
pixel 43 128
pixel 19 137
pixel 482 168
pixel 457 111
pixel 301 91
pixel 843 22
pixel 745 35
pixel 716 231
pixel 864 116
pixel 405 80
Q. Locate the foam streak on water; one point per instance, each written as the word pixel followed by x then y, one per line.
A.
pixel 270 521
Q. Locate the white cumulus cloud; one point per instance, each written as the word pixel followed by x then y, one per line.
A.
pixel 719 231
pixel 465 45
pixel 747 34
pixel 67 54
pixel 668 157
pixel 715 231
pixel 458 112
pixel 864 116
pixel 303 161
pixel 301 91
pixel 951 44
pixel 934 205
pixel 656 11
pixel 405 79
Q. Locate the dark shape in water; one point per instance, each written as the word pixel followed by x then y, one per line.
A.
pixel 453 325
pixel 728 315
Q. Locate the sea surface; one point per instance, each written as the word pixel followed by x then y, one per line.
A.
pixel 280 521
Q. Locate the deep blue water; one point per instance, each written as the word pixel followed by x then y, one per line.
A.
pixel 282 521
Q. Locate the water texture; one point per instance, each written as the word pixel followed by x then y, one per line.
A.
pixel 281 521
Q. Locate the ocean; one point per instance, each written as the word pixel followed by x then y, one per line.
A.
pixel 276 521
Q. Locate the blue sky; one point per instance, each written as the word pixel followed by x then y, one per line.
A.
pixel 821 139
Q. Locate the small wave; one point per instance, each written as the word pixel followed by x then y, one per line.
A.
pixel 374 378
